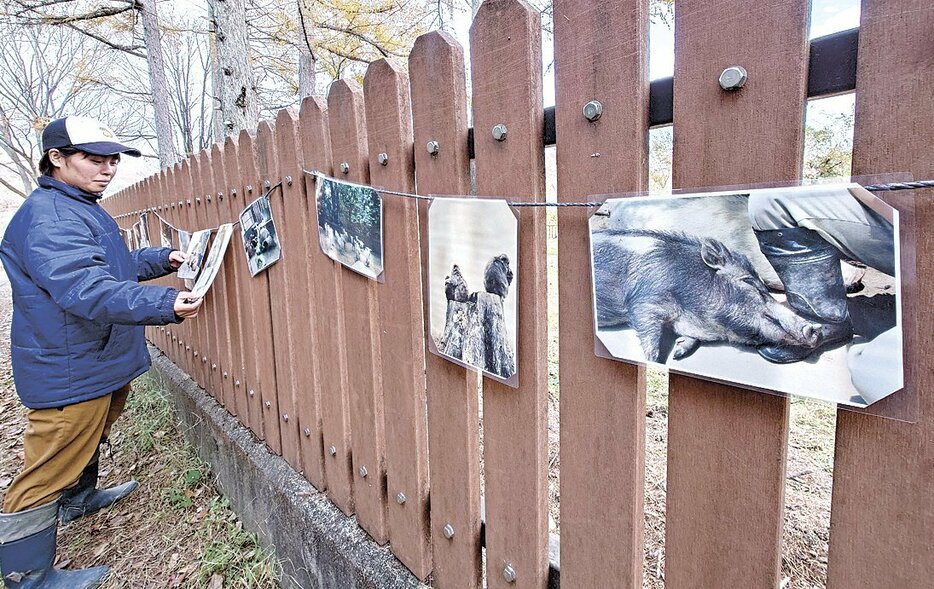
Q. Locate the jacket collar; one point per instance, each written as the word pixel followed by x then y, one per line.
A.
pixel 68 189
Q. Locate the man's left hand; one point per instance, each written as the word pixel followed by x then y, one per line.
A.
pixel 177 258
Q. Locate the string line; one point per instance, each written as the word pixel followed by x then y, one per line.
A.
pixel 887 187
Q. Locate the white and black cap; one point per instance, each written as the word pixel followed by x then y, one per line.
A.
pixel 84 134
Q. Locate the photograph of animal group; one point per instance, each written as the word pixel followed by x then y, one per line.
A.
pixel 791 290
pixel 472 274
pixel 350 225
pixel 260 239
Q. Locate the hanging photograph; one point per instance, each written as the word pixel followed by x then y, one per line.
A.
pixel 472 269
pixel 165 233
pixel 135 237
pixel 260 240
pixel 144 230
pixel 127 237
pixel 350 225
pixel 213 262
pixel 184 238
pixel 196 249
pixel 791 290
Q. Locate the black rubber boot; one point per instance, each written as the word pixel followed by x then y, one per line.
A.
pixel 85 498
pixel 27 553
pixel 810 270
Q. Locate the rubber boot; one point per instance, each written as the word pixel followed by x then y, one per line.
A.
pixel 809 267
pixel 27 553
pixel 85 498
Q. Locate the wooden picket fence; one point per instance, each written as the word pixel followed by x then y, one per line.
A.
pixel 331 369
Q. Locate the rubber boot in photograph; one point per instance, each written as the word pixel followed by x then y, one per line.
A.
pixel 809 267
pixel 85 498
pixel 27 552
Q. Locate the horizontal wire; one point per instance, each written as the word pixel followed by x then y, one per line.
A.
pixel 872 188
pixel 888 187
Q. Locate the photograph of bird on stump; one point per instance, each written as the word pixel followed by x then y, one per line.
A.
pixel 260 238
pixel 792 290
pixel 166 234
pixel 144 240
pixel 350 225
pixel 473 252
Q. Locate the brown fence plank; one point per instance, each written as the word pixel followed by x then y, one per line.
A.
pixel 602 401
pixel 217 214
pixel 883 505
pixel 216 362
pixel 288 288
pixel 263 299
pixel 361 317
pixel 726 446
pixel 439 105
pixel 389 131
pixel 236 273
pixel 203 183
pixel 258 291
pixel 505 42
pixel 298 231
pixel 329 419
pixel 191 327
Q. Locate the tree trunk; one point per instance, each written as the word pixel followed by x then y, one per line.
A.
pixel 239 102
pixel 160 98
pixel 217 117
pixel 307 62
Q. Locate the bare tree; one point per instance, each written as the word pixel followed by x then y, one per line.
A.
pixel 98 22
pixel 47 73
pixel 307 62
pixel 157 82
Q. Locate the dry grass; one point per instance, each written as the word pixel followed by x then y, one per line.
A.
pixel 175 530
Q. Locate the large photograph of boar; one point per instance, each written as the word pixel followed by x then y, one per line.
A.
pixel 473 247
pixel 792 290
pixel 350 225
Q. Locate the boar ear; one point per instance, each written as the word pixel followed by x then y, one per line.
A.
pixel 714 254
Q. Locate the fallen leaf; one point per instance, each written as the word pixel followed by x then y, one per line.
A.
pixel 216 582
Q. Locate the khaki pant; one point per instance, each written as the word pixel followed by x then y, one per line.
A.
pixel 59 443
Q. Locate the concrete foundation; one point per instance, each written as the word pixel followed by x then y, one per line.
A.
pixel 316 544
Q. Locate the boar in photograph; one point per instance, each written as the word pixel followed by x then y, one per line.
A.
pixel 658 282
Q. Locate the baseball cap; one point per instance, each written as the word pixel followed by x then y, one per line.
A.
pixel 85 134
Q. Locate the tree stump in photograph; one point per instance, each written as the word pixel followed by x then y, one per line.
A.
pixel 475 328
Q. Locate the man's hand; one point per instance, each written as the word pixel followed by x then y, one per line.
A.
pixel 177 258
pixel 186 309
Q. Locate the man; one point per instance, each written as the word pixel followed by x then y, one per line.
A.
pixel 77 342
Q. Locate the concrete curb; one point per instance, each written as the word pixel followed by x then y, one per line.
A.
pixel 317 545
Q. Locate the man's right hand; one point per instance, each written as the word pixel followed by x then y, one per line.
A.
pixel 186 309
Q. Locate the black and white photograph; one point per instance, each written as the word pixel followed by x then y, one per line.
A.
pixel 790 290
pixel 213 262
pixel 144 240
pixel 184 238
pixel 350 225
pixel 260 239
pixel 472 275
pixel 166 234
pixel 134 236
pixel 196 249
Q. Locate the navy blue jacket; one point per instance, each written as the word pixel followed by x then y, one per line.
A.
pixel 78 309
